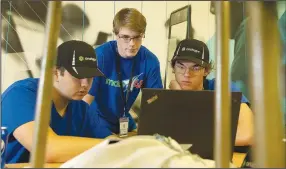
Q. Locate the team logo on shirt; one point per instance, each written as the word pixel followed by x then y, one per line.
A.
pixel 135 83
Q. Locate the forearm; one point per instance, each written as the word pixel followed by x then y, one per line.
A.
pixel 58 148
pixel 245 131
pixel 243 138
pixel 63 148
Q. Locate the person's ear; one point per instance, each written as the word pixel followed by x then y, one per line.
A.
pixel 206 72
pixel 172 66
pixel 116 36
pixel 56 74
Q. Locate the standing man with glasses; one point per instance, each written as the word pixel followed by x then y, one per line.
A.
pixel 128 67
pixel 191 65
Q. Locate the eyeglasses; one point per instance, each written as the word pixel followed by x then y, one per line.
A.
pixel 127 38
pixel 182 69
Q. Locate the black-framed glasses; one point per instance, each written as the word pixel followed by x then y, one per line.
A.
pixel 182 69
pixel 127 38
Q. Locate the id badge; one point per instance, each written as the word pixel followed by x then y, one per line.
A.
pixel 123 122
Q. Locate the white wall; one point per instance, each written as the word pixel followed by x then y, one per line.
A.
pixel 156 13
pixel 101 14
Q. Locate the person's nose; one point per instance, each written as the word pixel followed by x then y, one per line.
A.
pixel 187 72
pixel 84 82
pixel 132 42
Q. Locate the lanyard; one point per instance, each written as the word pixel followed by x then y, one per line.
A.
pixel 119 74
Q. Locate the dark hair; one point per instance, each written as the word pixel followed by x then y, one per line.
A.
pixel 62 70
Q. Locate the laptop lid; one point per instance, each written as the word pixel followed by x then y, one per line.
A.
pixel 186 116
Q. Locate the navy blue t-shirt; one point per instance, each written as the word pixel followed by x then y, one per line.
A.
pixel 18 107
pixel 107 92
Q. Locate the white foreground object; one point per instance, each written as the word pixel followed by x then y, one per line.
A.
pixel 139 152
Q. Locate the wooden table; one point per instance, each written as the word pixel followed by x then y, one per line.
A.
pixel 237 161
pixel 22 165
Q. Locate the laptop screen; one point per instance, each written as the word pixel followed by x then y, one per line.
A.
pixel 186 116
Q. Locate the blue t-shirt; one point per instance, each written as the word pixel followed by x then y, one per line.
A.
pixel 106 90
pixel 209 84
pixel 18 107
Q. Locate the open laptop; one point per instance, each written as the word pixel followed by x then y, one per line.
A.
pixel 186 116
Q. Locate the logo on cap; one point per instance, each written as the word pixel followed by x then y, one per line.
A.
pixel 90 58
pixel 193 50
pixel 81 58
pixel 73 58
pixel 73 62
pixel 183 49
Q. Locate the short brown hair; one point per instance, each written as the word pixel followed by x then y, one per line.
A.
pixel 130 18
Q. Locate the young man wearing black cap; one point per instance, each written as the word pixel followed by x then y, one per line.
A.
pixel 70 124
pixel 191 65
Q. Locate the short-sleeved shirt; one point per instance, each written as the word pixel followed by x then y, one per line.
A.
pixel 209 84
pixel 18 107
pixel 106 90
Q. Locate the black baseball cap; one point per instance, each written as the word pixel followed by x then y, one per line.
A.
pixel 78 58
pixel 192 50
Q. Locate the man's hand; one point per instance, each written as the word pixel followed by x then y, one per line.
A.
pixel 88 99
pixel 175 85
pixel 132 133
pixel 113 137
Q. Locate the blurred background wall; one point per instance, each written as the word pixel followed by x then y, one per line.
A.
pixel 23 29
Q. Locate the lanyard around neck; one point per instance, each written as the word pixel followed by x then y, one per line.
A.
pixel 119 75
